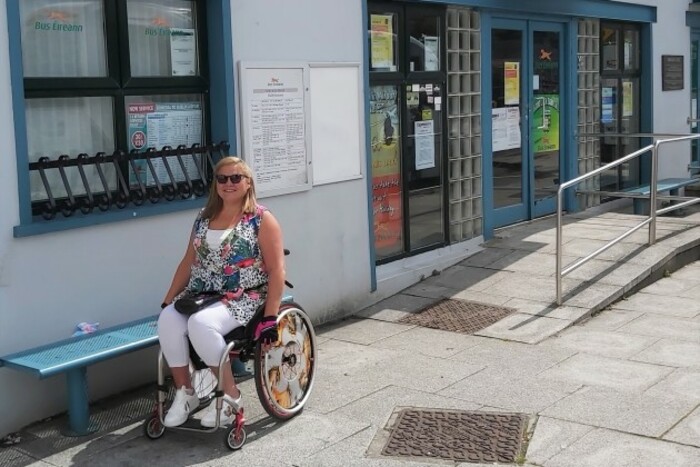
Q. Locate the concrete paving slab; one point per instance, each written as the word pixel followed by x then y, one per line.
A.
pixel 603 343
pixel 687 431
pixel 548 310
pixel 583 247
pixel 592 370
pixel 465 277
pixel 352 452
pixel 551 437
pixel 411 370
pixel 385 314
pixel 362 331
pixel 693 293
pixel 399 302
pixel 689 272
pixel 610 319
pixel 524 328
pixel 661 305
pixel 486 258
pixel 432 291
pixel 513 358
pixel 590 295
pixel 495 387
pixel 671 286
pixel 481 297
pixel 671 353
pixel 608 448
pixel 429 342
pixel 540 264
pixel 664 326
pixel 376 408
pixel 11 457
pixel 623 411
pixel 683 383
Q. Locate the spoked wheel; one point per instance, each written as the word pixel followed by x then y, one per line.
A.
pixel 152 427
pixel 235 436
pixel 203 382
pixel 284 374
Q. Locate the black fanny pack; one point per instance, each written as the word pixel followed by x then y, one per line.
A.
pixel 191 304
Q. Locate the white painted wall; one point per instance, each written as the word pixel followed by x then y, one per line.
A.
pixel 120 271
pixel 670 36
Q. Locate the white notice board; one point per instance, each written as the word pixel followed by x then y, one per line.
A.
pixel 274 126
pixel 336 125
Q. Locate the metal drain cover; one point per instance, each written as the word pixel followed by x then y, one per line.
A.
pixel 458 316
pixel 477 437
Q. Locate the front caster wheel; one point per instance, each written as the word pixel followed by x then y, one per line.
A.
pixel 153 428
pixel 235 437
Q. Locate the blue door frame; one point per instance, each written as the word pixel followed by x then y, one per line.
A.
pixel 530 207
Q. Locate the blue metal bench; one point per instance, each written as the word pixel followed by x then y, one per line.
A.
pixel 72 356
pixel 672 185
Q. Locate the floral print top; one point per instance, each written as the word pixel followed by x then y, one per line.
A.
pixel 235 267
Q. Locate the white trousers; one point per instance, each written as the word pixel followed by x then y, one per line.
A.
pixel 205 329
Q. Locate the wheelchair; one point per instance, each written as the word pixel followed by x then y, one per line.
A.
pixel 283 374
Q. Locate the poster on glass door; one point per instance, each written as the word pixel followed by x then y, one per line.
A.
pixel 155 125
pixel 545 127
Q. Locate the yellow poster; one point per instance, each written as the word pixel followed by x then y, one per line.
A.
pixel 627 99
pixel 382 41
pixel 511 83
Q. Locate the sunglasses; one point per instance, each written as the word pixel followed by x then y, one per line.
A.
pixel 235 178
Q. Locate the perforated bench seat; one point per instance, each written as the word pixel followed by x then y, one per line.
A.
pixel 672 185
pixel 72 356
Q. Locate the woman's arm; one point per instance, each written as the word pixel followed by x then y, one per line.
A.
pixel 182 274
pixel 271 247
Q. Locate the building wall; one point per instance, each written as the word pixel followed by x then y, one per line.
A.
pixel 120 271
pixel 670 36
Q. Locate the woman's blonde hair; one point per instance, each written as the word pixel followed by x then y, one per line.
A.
pixel 214 202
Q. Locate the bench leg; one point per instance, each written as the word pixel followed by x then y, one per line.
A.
pixel 78 407
pixel 641 206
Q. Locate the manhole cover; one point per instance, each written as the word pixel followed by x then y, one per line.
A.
pixel 478 437
pixel 458 316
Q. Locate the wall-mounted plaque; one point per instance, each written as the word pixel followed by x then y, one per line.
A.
pixel 671 72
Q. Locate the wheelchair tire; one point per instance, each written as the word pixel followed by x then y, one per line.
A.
pixel 284 374
pixel 234 439
pixel 153 428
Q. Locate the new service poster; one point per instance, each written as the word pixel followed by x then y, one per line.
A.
pixel 511 83
pixel 382 41
pixel 155 125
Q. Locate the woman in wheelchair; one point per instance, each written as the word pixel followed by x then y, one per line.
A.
pixel 235 248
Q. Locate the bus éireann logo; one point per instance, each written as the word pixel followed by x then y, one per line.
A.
pixel 57 20
pixel 544 55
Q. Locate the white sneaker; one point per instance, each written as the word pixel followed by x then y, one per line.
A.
pixel 229 409
pixel 182 406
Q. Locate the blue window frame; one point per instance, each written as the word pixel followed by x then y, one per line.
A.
pixel 216 37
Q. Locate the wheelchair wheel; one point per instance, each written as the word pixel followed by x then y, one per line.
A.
pixel 235 437
pixel 152 427
pixel 284 374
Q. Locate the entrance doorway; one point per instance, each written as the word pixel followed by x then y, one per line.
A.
pixel 527 118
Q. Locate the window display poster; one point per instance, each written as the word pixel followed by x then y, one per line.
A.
pixel 511 80
pixel 627 99
pixel 382 41
pixel 155 125
pixel 183 52
pixel 505 128
pixel 607 105
pixel 424 133
pixel 386 170
pixel 545 128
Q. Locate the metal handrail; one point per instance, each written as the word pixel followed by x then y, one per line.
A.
pixel 653 212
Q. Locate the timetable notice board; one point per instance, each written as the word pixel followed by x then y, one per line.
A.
pixel 275 126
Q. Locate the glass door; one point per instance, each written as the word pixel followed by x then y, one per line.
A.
pixel 694 81
pixel 527 122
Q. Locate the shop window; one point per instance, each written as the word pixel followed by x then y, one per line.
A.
pixel 102 76
pixel 407 121
pixel 620 108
